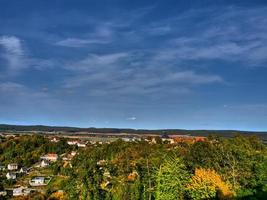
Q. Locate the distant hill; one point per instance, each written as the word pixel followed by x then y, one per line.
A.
pixel 41 128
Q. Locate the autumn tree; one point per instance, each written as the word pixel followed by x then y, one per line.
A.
pixel 207 184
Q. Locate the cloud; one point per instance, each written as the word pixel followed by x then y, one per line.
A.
pixel 17 59
pixel 131 118
pixel 11 87
pixel 14 53
pixel 11 44
pixel 113 74
pixel 232 35
pixel 76 42
pixel 96 62
pixel 15 95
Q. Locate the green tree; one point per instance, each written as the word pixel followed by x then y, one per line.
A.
pixel 171 180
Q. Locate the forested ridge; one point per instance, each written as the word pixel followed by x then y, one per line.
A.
pixel 76 130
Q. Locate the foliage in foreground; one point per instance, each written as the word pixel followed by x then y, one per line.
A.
pixel 217 168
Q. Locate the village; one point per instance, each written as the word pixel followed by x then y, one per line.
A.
pixel 23 181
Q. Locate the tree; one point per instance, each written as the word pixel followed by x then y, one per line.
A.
pixel 207 184
pixel 171 180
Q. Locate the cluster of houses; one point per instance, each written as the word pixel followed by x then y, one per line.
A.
pixel 175 139
pixel 171 139
pixel 13 170
pixel 77 143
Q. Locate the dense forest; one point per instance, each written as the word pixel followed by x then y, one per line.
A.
pixel 218 168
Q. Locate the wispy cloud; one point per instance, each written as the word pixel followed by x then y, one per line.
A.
pixel 131 118
pixel 114 74
pixel 232 35
pixel 13 52
pixel 16 94
pixel 17 59
pixel 77 42
pixel 11 87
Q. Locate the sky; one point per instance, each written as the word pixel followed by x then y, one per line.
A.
pixel 135 64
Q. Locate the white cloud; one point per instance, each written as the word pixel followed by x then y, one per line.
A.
pixel 11 87
pixel 11 44
pixel 14 53
pixel 113 74
pixel 232 35
pixel 131 118
pixel 77 42
pixel 17 60
pixel 96 62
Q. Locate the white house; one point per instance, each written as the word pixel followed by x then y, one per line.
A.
pixel 12 166
pixel 21 191
pixel 3 193
pixel 44 163
pixel 11 176
pixel 72 142
pixel 81 144
pixel 52 157
pixel 39 181
pixel 55 140
pixel 23 170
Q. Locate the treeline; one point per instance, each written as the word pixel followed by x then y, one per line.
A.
pixel 41 128
pixel 26 150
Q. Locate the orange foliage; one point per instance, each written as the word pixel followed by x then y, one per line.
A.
pixel 132 176
pixel 189 139
pixel 21 198
pixel 59 195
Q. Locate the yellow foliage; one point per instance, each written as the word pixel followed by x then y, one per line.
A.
pixel 59 195
pixel 210 181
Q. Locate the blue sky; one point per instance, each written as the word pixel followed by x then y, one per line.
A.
pixel 138 64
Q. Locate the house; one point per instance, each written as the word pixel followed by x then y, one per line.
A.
pixel 12 166
pixel 11 176
pixel 39 181
pixel 72 142
pixel 44 163
pixel 81 144
pixel 36 181
pixel 52 157
pixel 55 140
pixel 73 153
pixel 3 193
pixel 168 140
pixel 21 191
pixel 126 139
pixel 23 170
pixel 101 162
pixel 76 142
pixel 2 168
pixel 69 156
